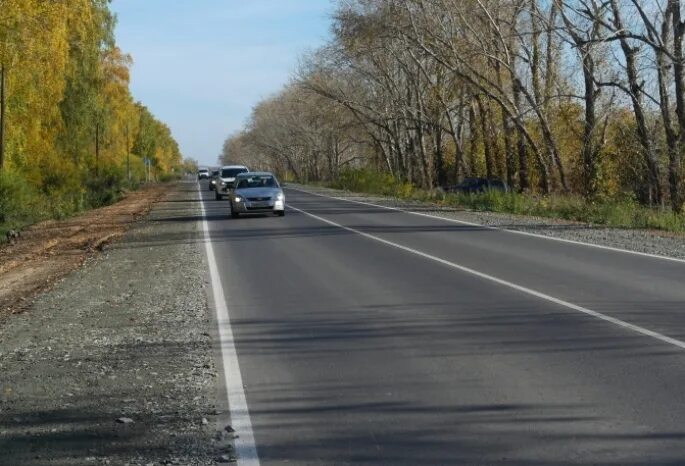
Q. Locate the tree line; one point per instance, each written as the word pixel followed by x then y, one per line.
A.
pixel 584 97
pixel 68 122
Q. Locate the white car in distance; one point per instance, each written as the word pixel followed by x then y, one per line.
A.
pixel 226 179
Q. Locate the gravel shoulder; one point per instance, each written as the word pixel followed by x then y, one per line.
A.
pixel 117 364
pixel 47 251
pixel 645 241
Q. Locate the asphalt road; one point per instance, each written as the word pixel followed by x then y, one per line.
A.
pixel 380 343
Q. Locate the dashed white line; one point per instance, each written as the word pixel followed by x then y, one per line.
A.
pixel 245 447
pixel 506 230
pixel 626 325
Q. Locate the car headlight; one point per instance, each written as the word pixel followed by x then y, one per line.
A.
pixel 280 197
pixel 237 199
pixel 213 181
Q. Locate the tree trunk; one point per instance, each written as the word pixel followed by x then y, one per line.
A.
pixel 675 156
pixel 539 101
pixel 510 159
pixel 426 172
pixel 473 149
pixel 457 133
pixel 507 129
pixel 524 182
pixel 663 67
pixel 439 158
pixel 426 178
pixel 497 156
pixel 487 142
pixel 582 39
pixel 653 172
pixel 590 150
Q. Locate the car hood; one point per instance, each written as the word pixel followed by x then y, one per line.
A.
pixel 258 192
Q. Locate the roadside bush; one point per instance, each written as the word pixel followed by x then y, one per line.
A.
pixel 19 202
pixel 373 182
pixel 133 185
pixel 104 189
pixel 167 177
pixel 59 194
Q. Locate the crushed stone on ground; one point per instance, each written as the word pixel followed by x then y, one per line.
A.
pixel 116 364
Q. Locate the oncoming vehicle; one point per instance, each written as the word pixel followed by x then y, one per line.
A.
pixel 213 180
pixel 255 193
pixel 226 179
pixel 202 174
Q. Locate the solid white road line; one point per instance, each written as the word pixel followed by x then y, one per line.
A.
pixel 499 281
pixel 245 447
pixel 488 227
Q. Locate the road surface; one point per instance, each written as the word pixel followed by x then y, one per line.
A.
pixel 371 336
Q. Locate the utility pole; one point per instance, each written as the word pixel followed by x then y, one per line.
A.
pixel 97 146
pixel 128 156
pixel 2 116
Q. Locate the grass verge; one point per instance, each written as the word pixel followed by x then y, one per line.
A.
pixel 23 204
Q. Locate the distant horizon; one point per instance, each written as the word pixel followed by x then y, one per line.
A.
pixel 234 54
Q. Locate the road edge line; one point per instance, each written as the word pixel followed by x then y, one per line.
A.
pixel 626 325
pixel 505 230
pixel 244 443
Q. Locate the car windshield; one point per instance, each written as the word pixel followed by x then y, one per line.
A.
pixel 258 181
pixel 232 172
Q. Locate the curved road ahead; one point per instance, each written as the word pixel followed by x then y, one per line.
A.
pixel 371 336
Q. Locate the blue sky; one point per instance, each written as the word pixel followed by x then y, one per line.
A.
pixel 201 65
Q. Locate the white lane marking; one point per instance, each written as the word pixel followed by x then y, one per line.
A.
pixel 499 281
pixel 245 447
pixel 488 227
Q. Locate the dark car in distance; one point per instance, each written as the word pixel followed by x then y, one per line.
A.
pixel 477 185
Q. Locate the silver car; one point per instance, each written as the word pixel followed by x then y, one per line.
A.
pixel 257 192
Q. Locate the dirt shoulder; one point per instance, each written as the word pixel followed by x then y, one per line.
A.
pixel 116 363
pixel 50 250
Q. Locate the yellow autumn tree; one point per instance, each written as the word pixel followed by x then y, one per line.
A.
pixel 69 127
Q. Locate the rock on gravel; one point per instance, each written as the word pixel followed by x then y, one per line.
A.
pixel 125 420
